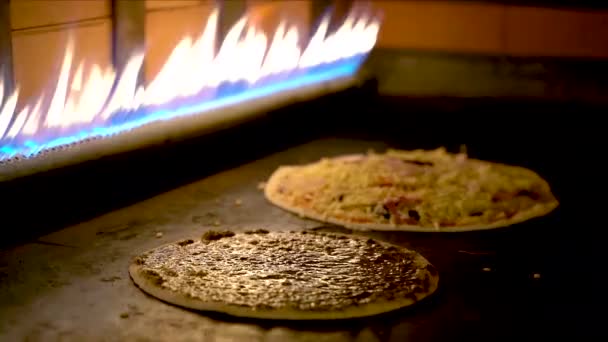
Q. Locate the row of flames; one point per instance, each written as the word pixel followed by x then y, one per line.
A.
pixel 84 103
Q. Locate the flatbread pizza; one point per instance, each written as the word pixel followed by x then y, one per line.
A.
pixel 285 275
pixel 419 190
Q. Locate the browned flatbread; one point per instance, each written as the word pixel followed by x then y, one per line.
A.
pixel 425 191
pixel 285 275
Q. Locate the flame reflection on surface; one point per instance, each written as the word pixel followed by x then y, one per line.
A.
pixel 193 80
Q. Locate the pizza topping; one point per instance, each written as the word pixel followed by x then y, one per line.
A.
pixel 153 276
pixel 257 231
pixel 350 158
pixel 418 162
pixel 185 242
pixel 413 214
pixel 398 209
pixel 506 196
pixel 531 194
pixel 421 188
pixel 402 201
pixel 312 271
pixel 402 168
pixel 382 211
pixel 503 196
pixel 212 235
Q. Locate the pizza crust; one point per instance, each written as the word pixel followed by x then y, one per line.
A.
pixel 360 311
pixel 149 286
pixel 273 195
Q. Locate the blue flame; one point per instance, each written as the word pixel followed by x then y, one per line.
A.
pixel 226 95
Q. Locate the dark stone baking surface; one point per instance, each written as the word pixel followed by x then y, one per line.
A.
pixel 73 284
pixel 59 283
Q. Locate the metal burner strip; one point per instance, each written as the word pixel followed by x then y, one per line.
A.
pixel 183 122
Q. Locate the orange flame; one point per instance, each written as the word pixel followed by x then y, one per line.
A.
pixel 191 68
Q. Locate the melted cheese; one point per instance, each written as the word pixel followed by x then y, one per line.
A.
pixel 423 188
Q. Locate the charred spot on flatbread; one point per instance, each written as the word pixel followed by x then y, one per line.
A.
pixel 257 231
pixel 153 276
pixel 419 162
pixel 185 242
pixel 213 235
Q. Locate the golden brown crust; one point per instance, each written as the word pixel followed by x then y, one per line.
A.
pixel 277 190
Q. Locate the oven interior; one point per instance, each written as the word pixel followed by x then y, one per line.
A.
pixel 69 233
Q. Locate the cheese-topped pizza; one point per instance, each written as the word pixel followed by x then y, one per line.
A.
pixel 420 190
pixel 285 275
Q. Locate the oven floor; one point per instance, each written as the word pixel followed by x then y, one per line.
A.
pixel 73 284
